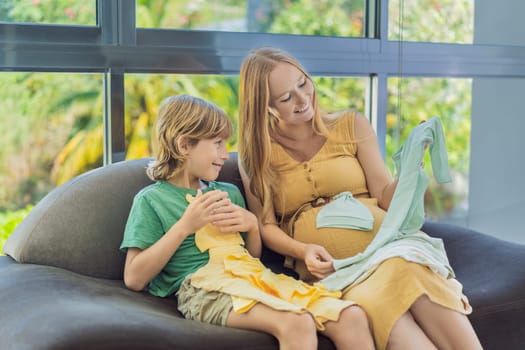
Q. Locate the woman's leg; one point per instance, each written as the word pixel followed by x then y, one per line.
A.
pixel 446 328
pixel 351 331
pixel 292 330
pixel 406 335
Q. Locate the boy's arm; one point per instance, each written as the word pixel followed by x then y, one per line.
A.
pixel 143 265
pixel 232 216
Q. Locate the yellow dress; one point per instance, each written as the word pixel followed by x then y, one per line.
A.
pixel 232 270
pixel 396 284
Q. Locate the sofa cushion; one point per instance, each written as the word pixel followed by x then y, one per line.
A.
pixel 45 307
pixel 79 225
pixel 492 272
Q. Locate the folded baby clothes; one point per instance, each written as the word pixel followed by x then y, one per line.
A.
pixel 344 211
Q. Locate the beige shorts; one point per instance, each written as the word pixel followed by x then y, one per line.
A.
pixel 201 305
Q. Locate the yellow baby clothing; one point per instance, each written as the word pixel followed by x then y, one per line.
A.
pixel 232 270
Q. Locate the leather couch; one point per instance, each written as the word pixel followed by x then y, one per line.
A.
pixel 61 277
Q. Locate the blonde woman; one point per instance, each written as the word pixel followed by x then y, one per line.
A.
pixel 293 159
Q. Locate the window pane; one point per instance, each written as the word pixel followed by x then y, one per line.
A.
pixel 417 99
pixel 450 21
pixel 309 17
pixel 51 131
pixel 80 12
pixel 144 92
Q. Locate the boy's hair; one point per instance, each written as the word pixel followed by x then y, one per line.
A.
pixel 184 116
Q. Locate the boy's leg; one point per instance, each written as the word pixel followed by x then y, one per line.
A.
pixel 351 331
pixel 292 330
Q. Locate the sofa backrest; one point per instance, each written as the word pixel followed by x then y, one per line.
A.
pixel 79 225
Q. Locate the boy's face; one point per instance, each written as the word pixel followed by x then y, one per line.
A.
pixel 206 158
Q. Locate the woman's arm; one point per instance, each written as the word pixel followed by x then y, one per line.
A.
pixel 233 218
pixel 379 181
pixel 273 237
pixel 317 259
pixel 253 240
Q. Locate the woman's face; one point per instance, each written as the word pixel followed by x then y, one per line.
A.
pixel 291 94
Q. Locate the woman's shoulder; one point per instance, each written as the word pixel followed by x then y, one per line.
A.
pixel 345 116
pixel 341 121
pixel 348 121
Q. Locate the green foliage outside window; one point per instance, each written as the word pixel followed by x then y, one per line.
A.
pixel 9 221
pixel 81 12
pixel 61 114
pixel 422 99
pixel 411 100
pixel 446 21
pixel 340 17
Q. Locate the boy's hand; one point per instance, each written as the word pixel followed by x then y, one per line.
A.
pixel 230 217
pixel 200 210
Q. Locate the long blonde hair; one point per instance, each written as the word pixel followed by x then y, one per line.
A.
pixel 256 122
pixel 184 116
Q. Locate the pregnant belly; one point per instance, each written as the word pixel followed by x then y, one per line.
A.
pixel 340 242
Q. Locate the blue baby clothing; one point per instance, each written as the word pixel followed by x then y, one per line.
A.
pixel 345 211
pixel 399 234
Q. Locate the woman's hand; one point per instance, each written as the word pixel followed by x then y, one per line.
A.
pixel 318 261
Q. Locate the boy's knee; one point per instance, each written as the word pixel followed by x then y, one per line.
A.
pixel 352 331
pixel 298 324
pixel 297 331
pixel 355 316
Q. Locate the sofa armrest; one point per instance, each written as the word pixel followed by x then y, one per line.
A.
pixel 79 225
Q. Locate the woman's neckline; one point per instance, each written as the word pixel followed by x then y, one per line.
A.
pixel 314 154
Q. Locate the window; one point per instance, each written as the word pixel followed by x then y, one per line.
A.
pixel 310 17
pixel 145 92
pixel 52 131
pixel 447 21
pixel 80 12
pixel 396 65
pixel 419 99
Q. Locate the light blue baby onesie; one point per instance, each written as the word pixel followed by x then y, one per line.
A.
pixel 399 234
pixel 344 211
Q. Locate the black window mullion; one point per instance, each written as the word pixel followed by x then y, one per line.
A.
pixel 117 23
pixel 114 132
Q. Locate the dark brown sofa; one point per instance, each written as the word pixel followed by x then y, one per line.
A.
pixel 61 279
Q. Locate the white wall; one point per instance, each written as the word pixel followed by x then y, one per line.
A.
pixel 497 166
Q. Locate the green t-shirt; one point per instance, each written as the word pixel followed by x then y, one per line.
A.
pixel 154 211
